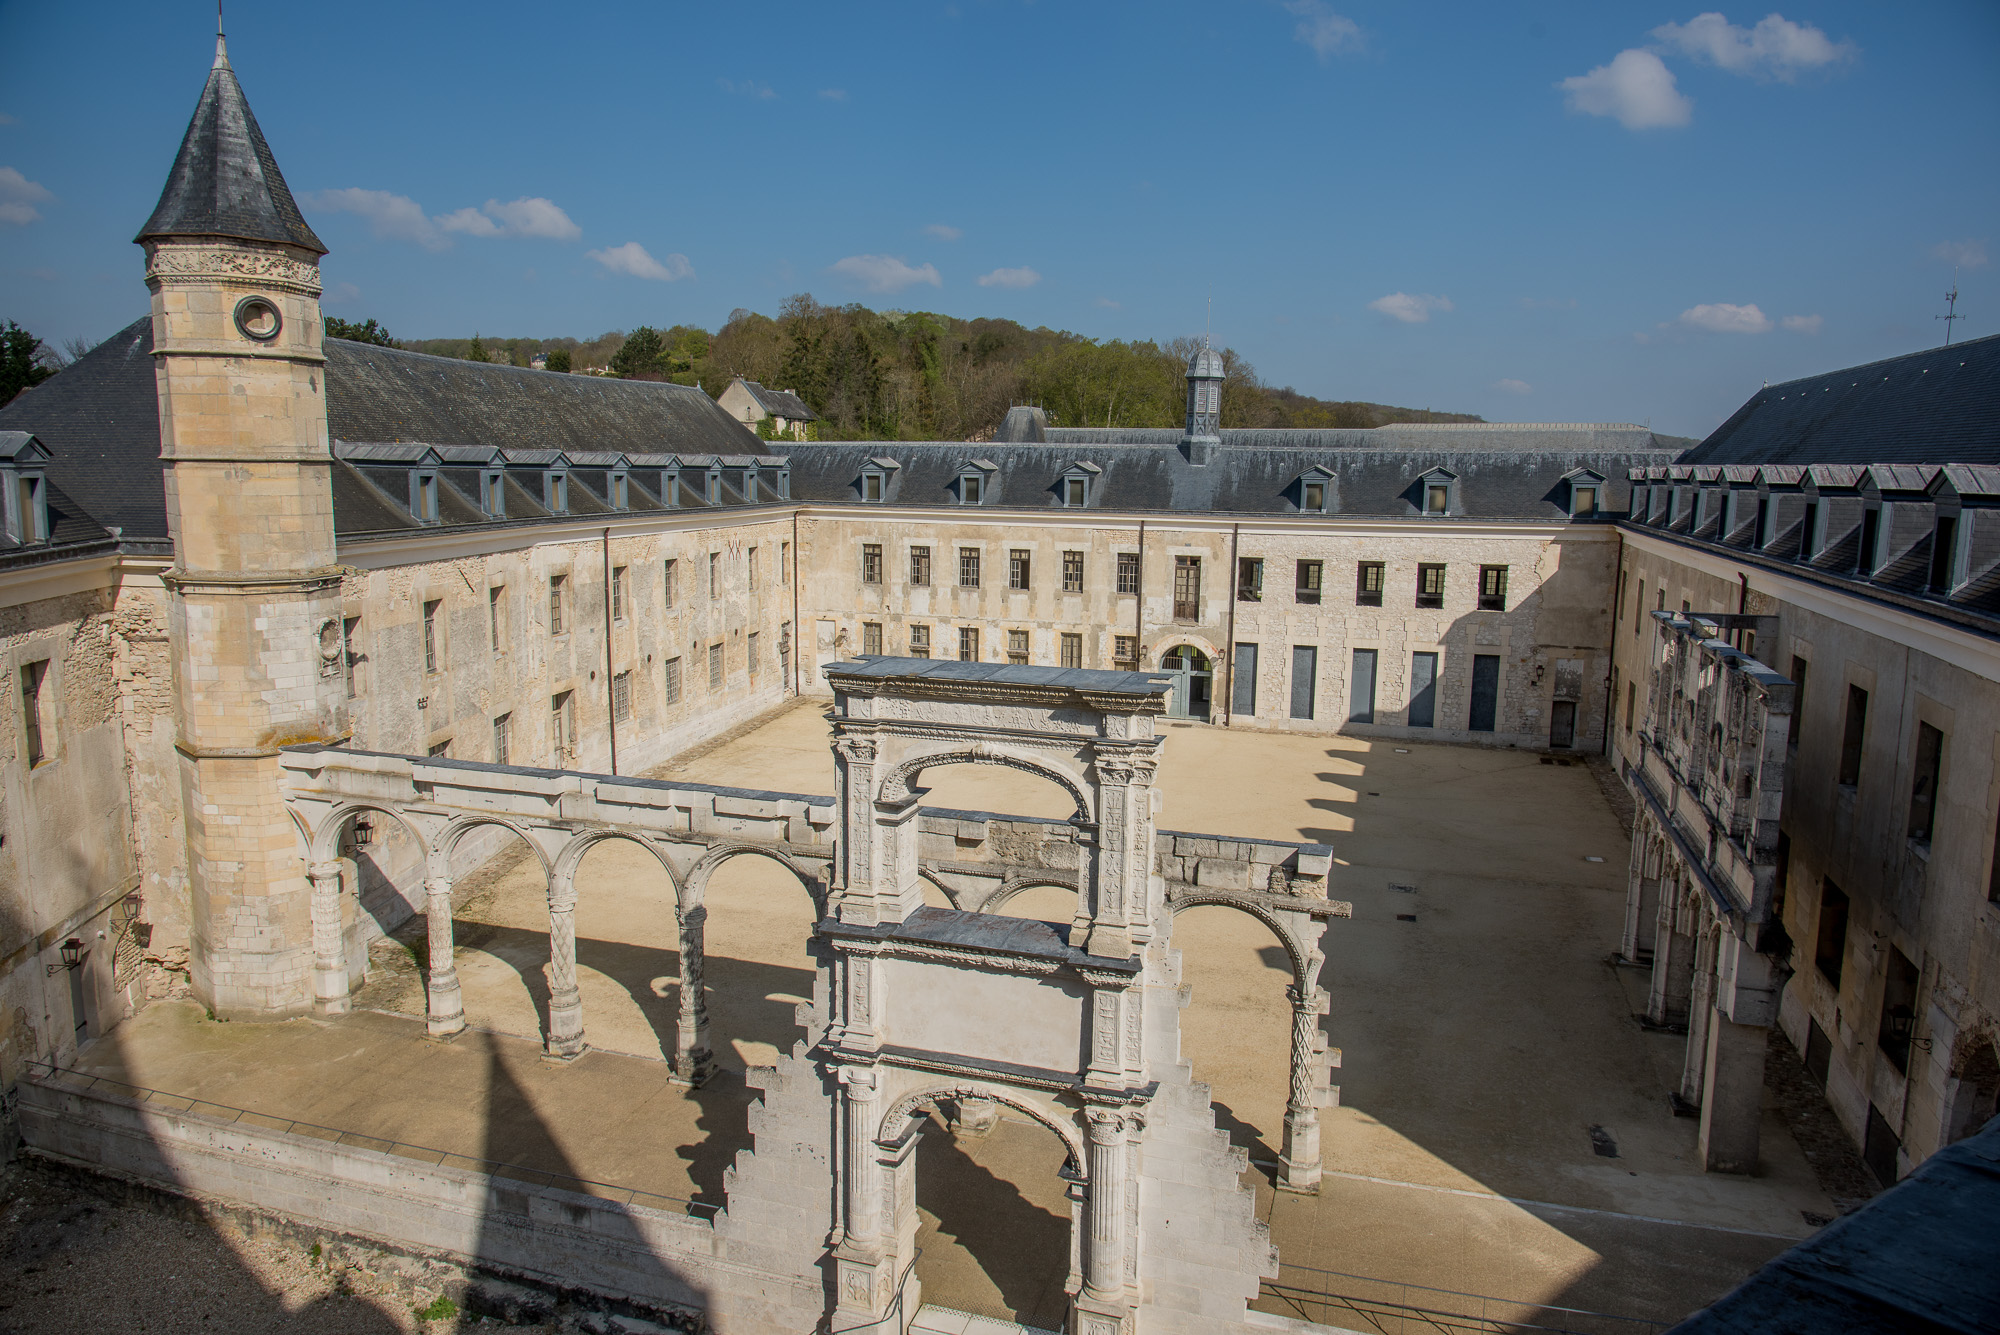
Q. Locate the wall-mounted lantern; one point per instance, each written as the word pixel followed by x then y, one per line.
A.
pixel 72 955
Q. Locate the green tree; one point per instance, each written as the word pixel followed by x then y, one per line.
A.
pixel 22 361
pixel 559 360
pixel 365 331
pixel 477 351
pixel 644 356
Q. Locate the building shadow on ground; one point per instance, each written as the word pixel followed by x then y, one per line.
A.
pixel 1022 1248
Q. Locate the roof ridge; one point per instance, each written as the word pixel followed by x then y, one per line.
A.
pixel 1880 361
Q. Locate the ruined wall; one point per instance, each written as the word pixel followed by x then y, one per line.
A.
pixel 1930 902
pixel 1552 634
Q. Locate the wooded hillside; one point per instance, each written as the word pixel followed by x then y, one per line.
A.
pixel 915 375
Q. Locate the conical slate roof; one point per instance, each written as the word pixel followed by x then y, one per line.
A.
pixel 225 181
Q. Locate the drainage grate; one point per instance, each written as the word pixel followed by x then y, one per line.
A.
pixel 1601 1143
pixel 1406 917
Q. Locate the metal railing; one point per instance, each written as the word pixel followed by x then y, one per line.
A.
pixel 79 1082
pixel 1391 1307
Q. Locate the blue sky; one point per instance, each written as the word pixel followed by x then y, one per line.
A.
pixel 1544 211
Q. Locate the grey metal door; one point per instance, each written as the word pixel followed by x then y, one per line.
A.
pixel 1305 673
pixel 1243 683
pixel 1485 691
pixel 1361 700
pixel 1562 724
pixel 1423 690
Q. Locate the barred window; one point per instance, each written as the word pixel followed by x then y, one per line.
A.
pixel 1128 572
pixel 1017 647
pixel 920 641
pixel 871 637
pixel 1072 572
pixel 968 644
pixel 1125 652
pixel 431 634
pixel 715 667
pixel 440 750
pixel 673 681
pixel 871 563
pixel 920 566
pixel 1017 568
pixel 500 730
pixel 558 587
pixel 621 696
pixel 968 567
pixel 1072 650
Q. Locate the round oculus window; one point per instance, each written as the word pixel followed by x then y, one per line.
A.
pixel 257 318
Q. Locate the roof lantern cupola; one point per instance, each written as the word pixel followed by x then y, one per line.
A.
pixel 1202 434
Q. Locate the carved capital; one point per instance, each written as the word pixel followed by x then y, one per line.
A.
pixel 323 871
pixel 1107 1125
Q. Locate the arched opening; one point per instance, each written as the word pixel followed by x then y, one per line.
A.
pixel 959 785
pixel 627 948
pixel 757 965
pixel 1193 680
pixel 994 1211
pixel 1039 902
pixel 1236 1029
pixel 381 863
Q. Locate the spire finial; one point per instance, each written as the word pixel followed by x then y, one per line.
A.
pixel 221 47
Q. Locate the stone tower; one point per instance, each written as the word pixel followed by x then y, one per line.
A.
pixel 1202 436
pixel 254 592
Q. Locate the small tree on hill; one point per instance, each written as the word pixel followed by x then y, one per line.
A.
pixel 559 360
pixel 364 331
pixel 22 364
pixel 477 351
pixel 643 357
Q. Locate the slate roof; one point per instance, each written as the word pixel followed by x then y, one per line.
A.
pixel 1493 484
pixel 225 181
pixel 1936 406
pixel 1528 437
pixel 781 403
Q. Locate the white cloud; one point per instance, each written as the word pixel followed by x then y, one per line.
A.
pixel 340 294
pixel 1802 324
pixel 834 94
pixel 944 231
pixel 886 273
pixel 18 197
pixel 1723 318
pixel 748 88
pixel 1635 87
pixel 1108 304
pixel 532 216
pixel 631 258
pixel 1326 32
pixel 392 217
pixel 1513 387
pixel 1969 254
pixel 1410 307
pixel 1022 277
pixel 1776 48
pixel 468 220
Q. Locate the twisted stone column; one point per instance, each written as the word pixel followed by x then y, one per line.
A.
pixel 1300 1159
pixel 330 991
pixel 565 1001
pixel 446 1006
pixel 694 1062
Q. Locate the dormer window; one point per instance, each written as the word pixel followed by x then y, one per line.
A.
pixel 1439 492
pixel 493 493
pixel 555 491
pixel 620 492
pixel 1314 488
pixel 1583 501
pixel 1315 496
pixel 714 481
pixel 424 497
pixel 1074 486
pixel 1586 492
pixel 670 486
pixel 971 488
pixel 871 486
pixel 28 509
pixel 784 484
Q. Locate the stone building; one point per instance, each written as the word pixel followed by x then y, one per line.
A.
pixel 774 414
pixel 225 535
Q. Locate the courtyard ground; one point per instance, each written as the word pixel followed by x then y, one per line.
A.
pixel 1491 1057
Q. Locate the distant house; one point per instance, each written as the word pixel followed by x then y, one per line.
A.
pixel 751 404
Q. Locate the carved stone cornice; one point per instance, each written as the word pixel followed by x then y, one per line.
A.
pixel 178 265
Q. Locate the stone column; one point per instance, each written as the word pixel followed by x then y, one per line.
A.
pixel 1119 892
pixel 1104 1307
pixel 446 1006
pixel 330 992
pixel 974 1116
pixel 1673 957
pixel 1732 1108
pixel 863 1257
pixel 1300 1159
pixel 694 1062
pixel 565 1000
pixel 1701 1014
pixel 1642 891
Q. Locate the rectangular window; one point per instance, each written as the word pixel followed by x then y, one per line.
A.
pixel 496 606
pixel 1639 608
pixel 1437 498
pixel 871 486
pixel 1485 705
pixel 1631 703
pixel 969 489
pixel 1430 586
pixel 1072 650
pixel 1072 572
pixel 1943 540
pixel 500 731
pixel 440 750
pixel 1243 681
pixel 431 634
pixel 1017 568
pixel 1864 559
pixel 558 586
pixel 715 666
pixel 1125 658
pixel 618 593
pixel 1799 669
pixel 920 641
pixel 1423 690
pixel 1305 679
pixel 968 644
pixel 672 682
pixel 667 573
pixel 1369 577
pixel 784 558
pixel 1249 579
pixel 1618 604
pixel 1808 523
pixel 968 567
pixel 1017 647
pixel 1361 699
pixel 1187 588
pixel 1924 782
pixel 871 563
pixel 562 727
pixel 34 703
pixel 920 566
pixel 1128 572
pixel 1852 736
pixel 1492 588
pixel 1315 497
pixel 714 576
pixel 1307 582
pixel 750 567
pixel 1899 1010
pixel 350 661
pixel 750 653
pixel 1074 491
pixel 1585 499
pixel 1830 947
pixel 871 637
pixel 621 696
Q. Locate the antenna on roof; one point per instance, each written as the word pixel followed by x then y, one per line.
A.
pixel 1951 307
pixel 1207 321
